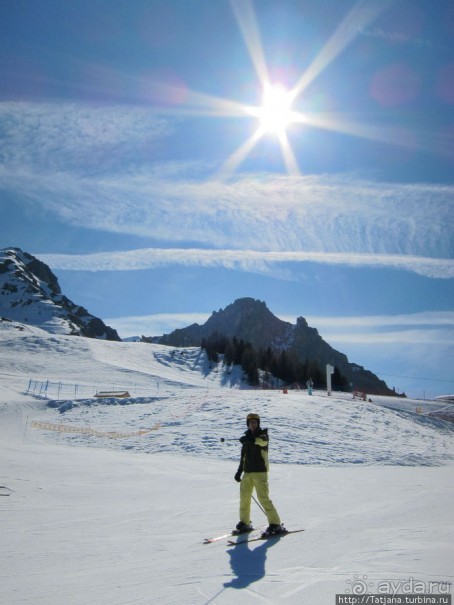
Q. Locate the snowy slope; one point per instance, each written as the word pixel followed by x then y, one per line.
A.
pixel 120 519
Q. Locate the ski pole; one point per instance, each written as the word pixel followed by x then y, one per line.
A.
pixel 260 506
pixel 233 439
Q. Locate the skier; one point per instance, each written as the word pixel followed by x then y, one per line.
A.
pixel 309 385
pixel 254 465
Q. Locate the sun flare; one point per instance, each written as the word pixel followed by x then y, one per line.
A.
pixel 275 115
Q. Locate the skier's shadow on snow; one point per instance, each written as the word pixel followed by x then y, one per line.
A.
pixel 248 564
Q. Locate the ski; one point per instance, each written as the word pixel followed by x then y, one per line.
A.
pixel 255 539
pixel 231 534
pixel 217 538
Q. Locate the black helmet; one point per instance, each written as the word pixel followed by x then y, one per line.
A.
pixel 253 417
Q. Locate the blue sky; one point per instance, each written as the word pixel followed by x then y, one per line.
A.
pixel 136 162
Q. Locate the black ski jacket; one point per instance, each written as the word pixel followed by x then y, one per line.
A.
pixel 254 452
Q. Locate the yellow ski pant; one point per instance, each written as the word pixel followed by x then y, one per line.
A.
pixel 260 482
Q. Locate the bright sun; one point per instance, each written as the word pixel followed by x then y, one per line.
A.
pixel 275 114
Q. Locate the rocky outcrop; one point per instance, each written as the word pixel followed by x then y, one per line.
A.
pixel 30 293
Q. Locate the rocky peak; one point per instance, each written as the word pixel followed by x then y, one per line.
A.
pixel 251 320
pixel 30 293
pixel 247 318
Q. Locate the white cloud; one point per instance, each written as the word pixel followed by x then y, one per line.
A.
pixel 242 260
pixel 314 214
pixel 56 138
pixel 91 167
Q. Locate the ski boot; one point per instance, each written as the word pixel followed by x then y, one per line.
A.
pixel 274 530
pixel 242 528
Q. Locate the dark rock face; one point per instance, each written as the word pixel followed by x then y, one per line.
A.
pixel 251 320
pixel 30 293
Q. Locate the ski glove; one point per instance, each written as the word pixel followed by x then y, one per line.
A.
pixel 238 476
pixel 247 437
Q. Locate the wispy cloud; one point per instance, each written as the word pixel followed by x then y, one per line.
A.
pixel 270 263
pixel 314 214
pixel 93 168
pixel 75 138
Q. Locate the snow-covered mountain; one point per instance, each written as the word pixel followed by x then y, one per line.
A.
pixel 30 293
pixel 251 320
